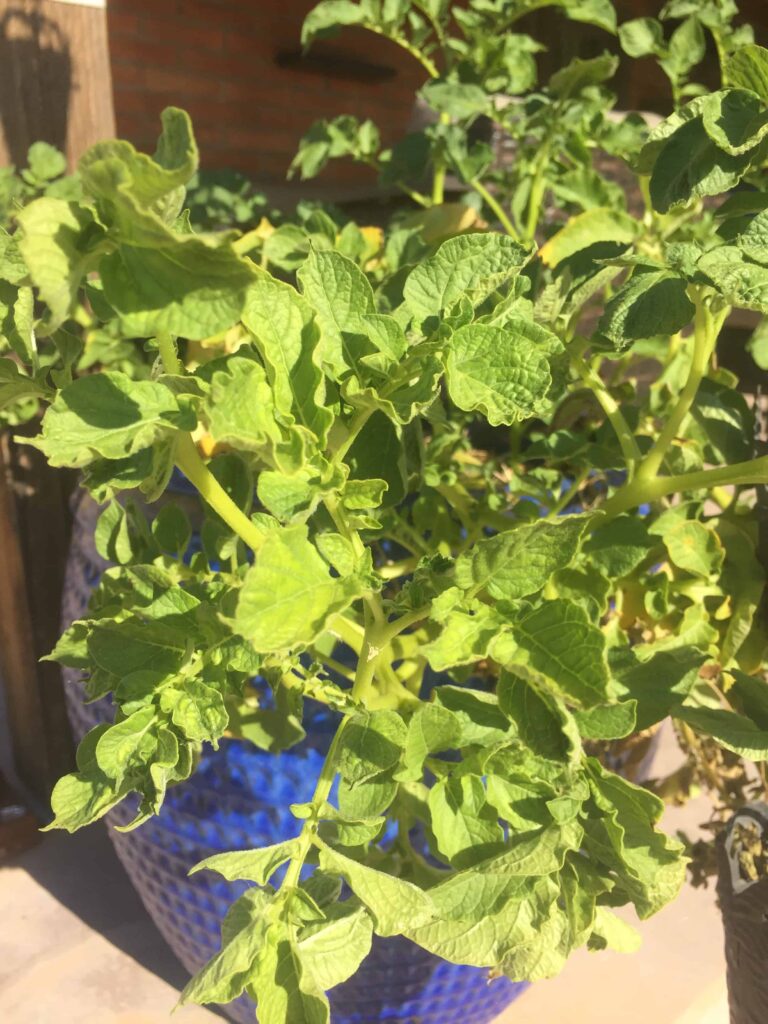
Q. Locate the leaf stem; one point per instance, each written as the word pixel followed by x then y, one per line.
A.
pixel 188 460
pixel 429 66
pixel 440 169
pixel 490 200
pixel 706 329
pixel 640 491
pixel 320 795
pixel 610 407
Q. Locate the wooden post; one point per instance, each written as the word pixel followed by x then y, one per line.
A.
pixel 55 80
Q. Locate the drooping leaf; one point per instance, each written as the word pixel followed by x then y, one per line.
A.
pixel 331 951
pixel 648 304
pixel 108 415
pixel 283 325
pixel 465 825
pixel 395 904
pixel 249 865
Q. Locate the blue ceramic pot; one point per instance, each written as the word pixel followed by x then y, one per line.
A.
pixel 238 799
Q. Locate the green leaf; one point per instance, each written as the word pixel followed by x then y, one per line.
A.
pixel 13 269
pixel 147 179
pixel 541 721
pixel 581 74
pixel 736 121
pixel 332 951
pixel 158 282
pixel 243 933
pixel 172 530
pixel 396 905
pixel 463 639
pixel 594 12
pixel 607 721
pixel 368 800
pixel 14 385
pixel 741 282
pixel 650 303
pixel 557 641
pixel 287 336
pixel 249 865
pixel 127 743
pixel 377 455
pixel 328 16
pixel 465 825
pixel 289 595
pixel 649 865
pixel 431 729
pixel 641 37
pixel 279 980
pixel 340 829
pixel 502 372
pixel 611 932
pixel 108 415
pixel 134 644
pixel 519 562
pixel 458 99
pixel 79 799
pixel 598 224
pixel 619 547
pixel 470 266
pixel 696 548
pixel 59 242
pixel 748 69
pixel 197 710
pixel 690 166
pixel 733 731
pixel 239 407
pixel 45 161
pixel 372 743
pixel 341 296
pixel 480 719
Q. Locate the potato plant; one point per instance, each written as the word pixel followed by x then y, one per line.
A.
pixel 483 527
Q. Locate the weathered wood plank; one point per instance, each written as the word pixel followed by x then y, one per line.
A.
pixel 55 79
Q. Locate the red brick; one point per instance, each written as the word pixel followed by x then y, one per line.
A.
pixel 122 23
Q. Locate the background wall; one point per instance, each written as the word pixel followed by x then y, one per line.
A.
pixel 237 68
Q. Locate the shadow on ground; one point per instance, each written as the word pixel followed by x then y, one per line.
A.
pixel 82 872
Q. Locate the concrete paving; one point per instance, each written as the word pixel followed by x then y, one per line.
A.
pixel 77 947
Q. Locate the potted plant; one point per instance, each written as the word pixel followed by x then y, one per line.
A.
pixel 355 540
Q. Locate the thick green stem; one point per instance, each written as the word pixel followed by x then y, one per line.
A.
pixel 309 829
pixel 168 354
pixel 187 458
pixel 439 171
pixel 706 329
pixel 538 188
pixel 429 66
pixel 640 491
pixel 610 407
pixel 490 200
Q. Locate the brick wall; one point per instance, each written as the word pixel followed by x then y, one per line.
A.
pixel 218 60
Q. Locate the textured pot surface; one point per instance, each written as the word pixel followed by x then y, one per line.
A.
pixel 742 889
